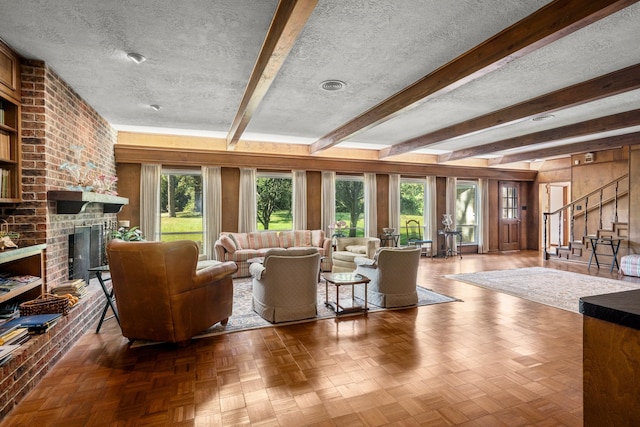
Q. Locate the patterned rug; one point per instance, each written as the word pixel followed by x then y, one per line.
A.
pixel 244 318
pixel 560 289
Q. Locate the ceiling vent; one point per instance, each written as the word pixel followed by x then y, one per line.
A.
pixel 332 85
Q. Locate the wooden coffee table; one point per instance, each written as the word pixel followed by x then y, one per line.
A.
pixel 340 279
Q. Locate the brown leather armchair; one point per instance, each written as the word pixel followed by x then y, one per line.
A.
pixel 160 295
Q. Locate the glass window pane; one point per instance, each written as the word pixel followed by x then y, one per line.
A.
pixel 412 207
pixel 466 209
pixel 350 206
pixel 273 202
pixel 181 207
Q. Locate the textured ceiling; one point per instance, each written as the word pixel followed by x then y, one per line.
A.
pixel 201 54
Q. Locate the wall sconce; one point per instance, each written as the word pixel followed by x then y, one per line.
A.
pixel 589 157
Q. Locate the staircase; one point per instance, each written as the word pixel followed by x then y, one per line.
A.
pixel 598 214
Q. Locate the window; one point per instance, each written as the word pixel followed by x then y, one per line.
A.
pixel 509 202
pixel 350 203
pixel 273 201
pixel 466 208
pixel 181 206
pixel 412 205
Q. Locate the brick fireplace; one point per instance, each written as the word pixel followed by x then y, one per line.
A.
pixel 55 120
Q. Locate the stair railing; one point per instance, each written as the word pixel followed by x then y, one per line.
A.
pixel 575 209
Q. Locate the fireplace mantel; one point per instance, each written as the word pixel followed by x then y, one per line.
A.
pixel 74 202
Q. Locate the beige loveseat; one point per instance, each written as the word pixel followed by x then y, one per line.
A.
pixel 239 247
pixel 348 248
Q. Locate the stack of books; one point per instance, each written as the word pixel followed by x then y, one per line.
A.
pixel 9 310
pixel 10 281
pixel 77 288
pixel 12 333
pixel 6 351
pixel 38 323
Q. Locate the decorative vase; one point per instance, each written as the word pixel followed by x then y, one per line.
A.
pixel 447 221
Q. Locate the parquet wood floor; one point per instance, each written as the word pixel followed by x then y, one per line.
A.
pixel 491 360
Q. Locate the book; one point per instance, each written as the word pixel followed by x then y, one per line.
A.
pixel 38 320
pixel 13 336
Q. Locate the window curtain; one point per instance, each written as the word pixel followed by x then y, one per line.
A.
pixel 299 200
pixel 370 205
pixel 150 201
pixel 431 211
pixel 328 202
pixel 451 199
pixel 212 207
pixel 247 210
pixel 483 216
pixel 394 201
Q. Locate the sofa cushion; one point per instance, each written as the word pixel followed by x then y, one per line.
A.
pixel 295 238
pixel 317 238
pixel 263 239
pixel 357 249
pixel 240 239
pixel 227 244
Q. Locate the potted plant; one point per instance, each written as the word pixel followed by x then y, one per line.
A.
pixel 133 234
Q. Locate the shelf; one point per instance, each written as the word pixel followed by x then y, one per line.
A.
pixel 75 202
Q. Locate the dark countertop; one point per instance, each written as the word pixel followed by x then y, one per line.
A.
pixel 621 308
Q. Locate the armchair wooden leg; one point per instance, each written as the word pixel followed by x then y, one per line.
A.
pixel 224 322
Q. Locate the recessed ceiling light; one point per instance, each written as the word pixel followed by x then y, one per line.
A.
pixel 136 57
pixel 332 85
pixel 542 118
pixel 154 107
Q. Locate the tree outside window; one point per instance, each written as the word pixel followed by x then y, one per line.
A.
pixel 350 204
pixel 181 206
pixel 466 209
pixel 273 202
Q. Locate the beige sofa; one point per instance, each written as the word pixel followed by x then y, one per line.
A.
pixel 348 248
pixel 240 247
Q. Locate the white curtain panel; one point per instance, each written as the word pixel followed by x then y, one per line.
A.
pixel 247 210
pixel 451 200
pixel 483 216
pixel 328 201
pixel 299 200
pixel 431 211
pixel 370 205
pixel 212 207
pixel 150 201
pixel 394 201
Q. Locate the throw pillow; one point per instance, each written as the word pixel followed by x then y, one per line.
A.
pixel 227 244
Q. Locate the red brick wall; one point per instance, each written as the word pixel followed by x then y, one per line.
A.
pixel 55 121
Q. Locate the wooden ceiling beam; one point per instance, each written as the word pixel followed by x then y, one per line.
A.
pixel 610 84
pixel 548 24
pixel 287 24
pixel 601 124
pixel 579 147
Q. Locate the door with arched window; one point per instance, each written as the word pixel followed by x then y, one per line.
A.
pixel 509 231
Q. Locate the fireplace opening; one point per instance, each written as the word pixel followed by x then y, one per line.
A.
pixel 87 249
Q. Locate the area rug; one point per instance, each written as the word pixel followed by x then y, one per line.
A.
pixel 244 318
pixel 556 288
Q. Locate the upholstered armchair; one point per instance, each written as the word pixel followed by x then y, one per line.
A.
pixel 349 248
pixel 161 296
pixel 285 285
pixel 393 273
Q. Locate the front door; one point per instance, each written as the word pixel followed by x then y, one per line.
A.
pixel 509 232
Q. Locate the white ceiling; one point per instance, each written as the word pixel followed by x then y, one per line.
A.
pixel 201 53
